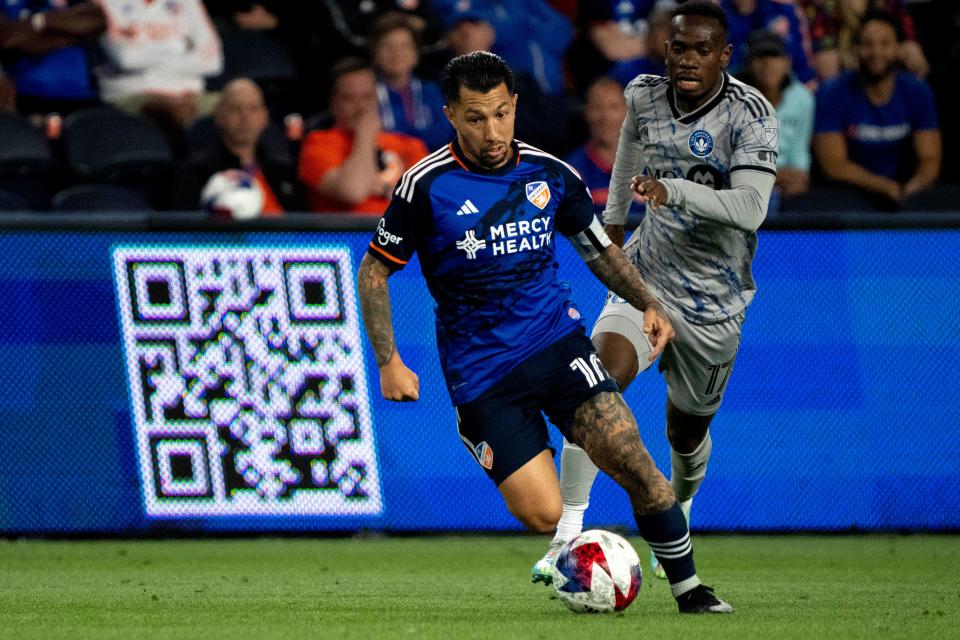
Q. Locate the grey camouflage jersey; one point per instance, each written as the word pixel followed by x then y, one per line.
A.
pixel 718 164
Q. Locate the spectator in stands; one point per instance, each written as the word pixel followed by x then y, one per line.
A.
pixel 8 94
pixel 408 103
pixel 354 166
pixel 42 42
pixel 833 27
pixel 529 35
pixel 654 61
pixel 544 109
pixel 616 30
pixel 782 17
pixel 604 112
pixel 877 129
pixel 241 118
pixel 158 54
pixel 768 69
pixel 322 30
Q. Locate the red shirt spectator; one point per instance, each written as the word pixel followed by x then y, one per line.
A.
pixel 355 165
pixel 325 151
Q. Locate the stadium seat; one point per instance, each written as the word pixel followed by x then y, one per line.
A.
pixel 203 132
pixel 262 58
pixel 105 145
pixel 254 55
pixel 26 164
pixel 99 197
pixel 830 199
pixel 12 202
pixel 941 197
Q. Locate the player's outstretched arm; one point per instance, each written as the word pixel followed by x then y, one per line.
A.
pixel 613 269
pixel 397 382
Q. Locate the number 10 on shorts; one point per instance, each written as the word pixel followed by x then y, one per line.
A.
pixel 593 372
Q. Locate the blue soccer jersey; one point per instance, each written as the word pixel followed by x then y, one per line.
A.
pixel 485 240
pixel 879 137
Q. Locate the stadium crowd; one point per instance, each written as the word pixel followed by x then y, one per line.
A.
pixel 113 104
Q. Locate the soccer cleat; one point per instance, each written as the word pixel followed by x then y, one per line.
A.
pixel 543 570
pixel 656 567
pixel 701 599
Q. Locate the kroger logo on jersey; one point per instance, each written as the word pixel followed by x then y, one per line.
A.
pixel 701 143
pixel 384 237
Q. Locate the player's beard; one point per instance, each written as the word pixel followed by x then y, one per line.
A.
pixel 873 77
pixel 494 161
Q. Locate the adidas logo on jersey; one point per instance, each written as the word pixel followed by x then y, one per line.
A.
pixel 467 208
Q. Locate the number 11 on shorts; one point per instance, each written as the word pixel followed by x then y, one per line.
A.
pixel 593 372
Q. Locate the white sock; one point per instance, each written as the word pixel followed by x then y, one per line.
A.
pixel 577 473
pixel 687 471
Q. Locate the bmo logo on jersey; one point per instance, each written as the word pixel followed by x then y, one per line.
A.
pixel 706 175
pixel 700 143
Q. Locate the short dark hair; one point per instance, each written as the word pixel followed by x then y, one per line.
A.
pixel 880 16
pixel 478 71
pixel 350 64
pixel 704 9
pixel 390 22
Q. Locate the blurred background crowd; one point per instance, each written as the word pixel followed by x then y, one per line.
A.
pixel 249 109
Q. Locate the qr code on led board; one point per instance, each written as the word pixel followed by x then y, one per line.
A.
pixel 247 381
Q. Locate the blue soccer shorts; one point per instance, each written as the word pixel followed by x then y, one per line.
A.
pixel 504 427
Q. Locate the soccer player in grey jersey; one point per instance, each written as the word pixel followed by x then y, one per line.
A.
pixel 700 149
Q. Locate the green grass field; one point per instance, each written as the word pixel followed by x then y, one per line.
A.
pixel 465 587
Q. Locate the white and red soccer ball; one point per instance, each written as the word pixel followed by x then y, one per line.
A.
pixel 233 193
pixel 597 572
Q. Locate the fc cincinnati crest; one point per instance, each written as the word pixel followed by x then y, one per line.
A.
pixel 484 455
pixel 538 193
pixel 701 143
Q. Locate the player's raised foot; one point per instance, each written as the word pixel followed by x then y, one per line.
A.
pixel 656 567
pixel 701 599
pixel 543 570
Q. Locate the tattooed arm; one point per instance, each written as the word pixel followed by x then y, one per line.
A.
pixel 397 382
pixel 613 269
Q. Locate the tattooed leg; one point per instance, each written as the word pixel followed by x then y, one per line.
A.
pixel 605 428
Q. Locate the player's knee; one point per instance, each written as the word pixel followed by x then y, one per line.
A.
pixel 542 519
pixel 681 440
pixel 618 356
pixel 686 431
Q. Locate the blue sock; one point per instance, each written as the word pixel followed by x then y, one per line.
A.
pixel 669 538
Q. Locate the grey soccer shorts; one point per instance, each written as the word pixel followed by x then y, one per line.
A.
pixel 696 364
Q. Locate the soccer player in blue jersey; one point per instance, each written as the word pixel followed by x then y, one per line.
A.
pixel 481 213
pixel 700 148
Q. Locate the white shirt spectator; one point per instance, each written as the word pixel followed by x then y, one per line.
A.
pixel 157 47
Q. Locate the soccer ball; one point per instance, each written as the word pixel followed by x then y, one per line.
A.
pixel 233 193
pixel 597 572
